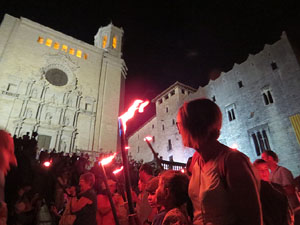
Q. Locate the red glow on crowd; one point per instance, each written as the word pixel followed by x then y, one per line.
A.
pixel 118 170
pixel 137 105
pixel 108 160
pixel 148 138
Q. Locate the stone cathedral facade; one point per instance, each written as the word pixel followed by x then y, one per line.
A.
pixel 66 90
pixel 260 103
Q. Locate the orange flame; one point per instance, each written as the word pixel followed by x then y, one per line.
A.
pixel 148 138
pixel 118 170
pixel 137 105
pixel 107 160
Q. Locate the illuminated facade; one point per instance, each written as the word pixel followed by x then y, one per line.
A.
pixel 259 99
pixel 68 91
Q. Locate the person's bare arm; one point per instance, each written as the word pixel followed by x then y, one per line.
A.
pixel 242 187
pixel 77 205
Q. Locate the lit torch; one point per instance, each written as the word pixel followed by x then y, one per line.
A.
pixel 120 184
pixel 155 154
pixel 139 106
pixel 118 170
pixel 102 163
pixel 47 163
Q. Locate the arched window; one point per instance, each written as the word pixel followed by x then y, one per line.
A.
pixel 114 43
pixel 104 41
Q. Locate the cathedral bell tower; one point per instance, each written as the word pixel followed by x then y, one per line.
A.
pixel 110 39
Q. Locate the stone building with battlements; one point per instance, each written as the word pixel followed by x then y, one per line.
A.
pixel 68 91
pixel 259 100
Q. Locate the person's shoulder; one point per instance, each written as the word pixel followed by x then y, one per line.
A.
pixel 283 169
pixel 175 216
pixel 234 154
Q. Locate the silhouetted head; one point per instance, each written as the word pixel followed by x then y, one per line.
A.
pixel 199 121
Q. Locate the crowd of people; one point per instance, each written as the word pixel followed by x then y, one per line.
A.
pixel 220 185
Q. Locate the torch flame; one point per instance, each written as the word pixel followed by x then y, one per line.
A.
pixel 142 106
pixel 47 163
pixel 107 160
pixel 148 138
pixel 118 170
pixel 127 147
pixel 137 105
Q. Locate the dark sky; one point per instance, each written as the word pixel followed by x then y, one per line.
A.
pixel 170 40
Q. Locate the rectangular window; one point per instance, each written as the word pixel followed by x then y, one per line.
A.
pixel 166 97
pixel 257 149
pixel 167 109
pixel 85 56
pixel 163 127
pixel 214 98
pixel 260 140
pixel 182 91
pixel 274 66
pixel 40 40
pixel 64 48
pixel 171 158
pixel 56 45
pixel 159 101
pixel 72 51
pixel 79 53
pixel 240 83
pixel 231 112
pixel 114 44
pixel 172 93
pixel 48 42
pixel 104 41
pixel 268 98
pixel 169 145
pixel 173 122
pixel 153 139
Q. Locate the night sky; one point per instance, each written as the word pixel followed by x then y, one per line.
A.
pixel 170 40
